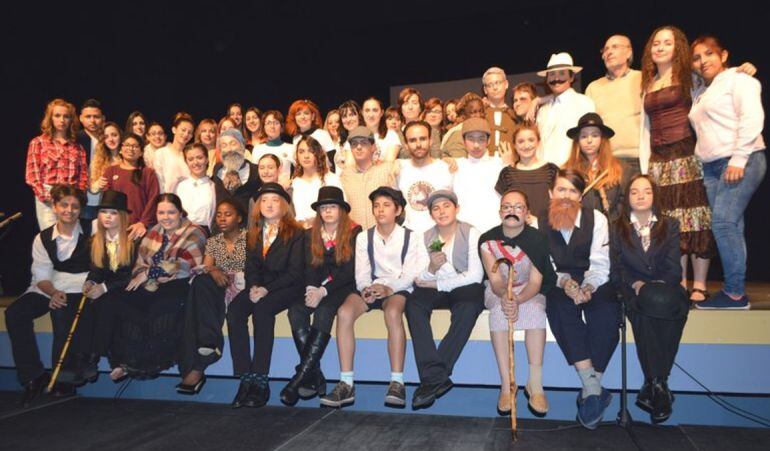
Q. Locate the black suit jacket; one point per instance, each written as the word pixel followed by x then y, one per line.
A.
pixel 630 264
pixel 245 192
pixel 84 140
pixel 281 267
pixel 117 280
pixel 342 275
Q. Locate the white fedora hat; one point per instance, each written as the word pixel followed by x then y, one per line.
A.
pixel 560 61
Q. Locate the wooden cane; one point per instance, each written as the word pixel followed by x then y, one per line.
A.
pixel 66 346
pixel 512 366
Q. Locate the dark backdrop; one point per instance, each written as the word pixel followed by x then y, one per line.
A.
pixel 163 57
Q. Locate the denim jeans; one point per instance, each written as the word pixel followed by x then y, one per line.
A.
pixel 728 203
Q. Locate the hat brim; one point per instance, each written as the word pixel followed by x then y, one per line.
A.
pixel 574 69
pixel 283 194
pixel 112 207
pixel 574 132
pixel 341 203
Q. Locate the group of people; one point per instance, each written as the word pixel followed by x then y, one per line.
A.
pixel 546 213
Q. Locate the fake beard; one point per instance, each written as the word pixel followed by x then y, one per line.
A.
pixel 233 160
pixel 562 213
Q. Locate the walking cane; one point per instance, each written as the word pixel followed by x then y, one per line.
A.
pixel 66 346
pixel 511 369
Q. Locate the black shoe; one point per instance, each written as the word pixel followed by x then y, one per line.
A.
pixel 426 394
pixel 308 370
pixel 240 397
pixel 62 390
pixel 208 355
pixel 661 400
pixel 34 388
pixel 193 389
pixel 258 395
pixel 644 398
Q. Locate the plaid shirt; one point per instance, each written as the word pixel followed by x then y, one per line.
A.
pixel 185 249
pixel 50 162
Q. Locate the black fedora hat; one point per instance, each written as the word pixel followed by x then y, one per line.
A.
pixel 273 188
pixel 387 191
pixel 590 120
pixel 114 200
pixel 330 195
pixel 661 300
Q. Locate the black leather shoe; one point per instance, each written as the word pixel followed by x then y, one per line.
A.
pixel 240 397
pixel 426 394
pixel 644 398
pixel 661 400
pixel 62 390
pixel 34 388
pixel 258 395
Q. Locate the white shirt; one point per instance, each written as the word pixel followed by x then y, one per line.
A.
pixel 447 277
pixel 387 260
pixel 598 272
pixel 728 118
pixel 170 167
pixel 304 193
pixel 554 118
pixel 417 183
pixel 474 185
pixel 198 199
pixel 42 266
pixel 284 152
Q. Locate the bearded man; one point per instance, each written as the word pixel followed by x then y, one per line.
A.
pixel 235 176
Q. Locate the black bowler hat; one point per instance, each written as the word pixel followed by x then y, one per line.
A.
pixel 114 200
pixel 661 300
pixel 387 191
pixel 274 188
pixel 330 195
pixel 590 120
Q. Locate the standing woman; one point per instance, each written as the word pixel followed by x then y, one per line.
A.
pixel 270 169
pixel 274 265
pixel 210 295
pixel 450 115
pixel 350 118
pixel 169 161
pixel 136 123
pixel 147 340
pixel 272 122
pixel 156 139
pixel 728 118
pixel 198 192
pixel 55 158
pixel 304 119
pixel 410 104
pixel 646 270
pixel 332 126
pixel 107 154
pixel 206 134
pixel 138 182
pixel 387 142
pixel 667 149
pixel 253 128
pixel 433 114
pixel 592 155
pixel 329 279
pixel 527 173
pixel 393 119
pixel 235 113
pixel 311 174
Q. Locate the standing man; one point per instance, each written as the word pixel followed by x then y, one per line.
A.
pixel 523 95
pixel 561 110
pixel 498 114
pixel 92 119
pixel 420 175
pixel 618 99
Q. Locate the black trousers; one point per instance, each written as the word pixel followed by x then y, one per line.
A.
pixel 204 315
pixel 595 338
pixel 19 321
pixel 657 342
pixel 434 365
pixel 263 319
pixel 106 311
pixel 323 315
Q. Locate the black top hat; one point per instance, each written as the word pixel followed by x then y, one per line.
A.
pixel 274 188
pixel 330 195
pixel 394 194
pixel 590 120
pixel 114 200
pixel 661 300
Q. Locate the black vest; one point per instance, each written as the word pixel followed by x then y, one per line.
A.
pixel 573 258
pixel 80 261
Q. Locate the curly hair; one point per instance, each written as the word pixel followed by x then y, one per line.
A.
pixel 46 125
pixel 298 105
pixel 681 64
pixel 320 157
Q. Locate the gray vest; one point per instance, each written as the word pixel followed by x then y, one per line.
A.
pixel 460 251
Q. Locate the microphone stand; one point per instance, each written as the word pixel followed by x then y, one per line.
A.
pixel 624 417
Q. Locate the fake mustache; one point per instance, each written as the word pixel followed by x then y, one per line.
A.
pixel 512 216
pixel 556 82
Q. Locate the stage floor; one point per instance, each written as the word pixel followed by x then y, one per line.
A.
pixel 90 423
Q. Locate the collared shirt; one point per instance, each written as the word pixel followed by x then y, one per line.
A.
pixel 447 277
pixel 357 186
pixel 387 260
pixel 170 168
pixel 554 118
pixel 643 231
pixel 42 266
pixel 269 234
pixel 50 162
pixel 598 272
pixel 199 199
pixel 474 184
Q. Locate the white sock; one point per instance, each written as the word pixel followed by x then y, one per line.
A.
pixel 397 377
pixel 347 377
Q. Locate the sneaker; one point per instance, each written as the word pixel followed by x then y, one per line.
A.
pixel 721 301
pixel 342 395
pixel 396 395
pixel 426 394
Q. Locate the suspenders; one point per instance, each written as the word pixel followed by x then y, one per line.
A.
pixel 370 247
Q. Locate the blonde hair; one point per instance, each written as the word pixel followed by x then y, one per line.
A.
pixel 103 155
pixel 46 125
pixel 99 243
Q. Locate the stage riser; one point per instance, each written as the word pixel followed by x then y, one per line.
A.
pixel 740 369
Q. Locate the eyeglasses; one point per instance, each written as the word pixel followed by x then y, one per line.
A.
pixel 514 207
pixel 156 134
pixel 131 146
pixel 613 47
pixel 272 123
pixel 437 111
pixel 494 84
